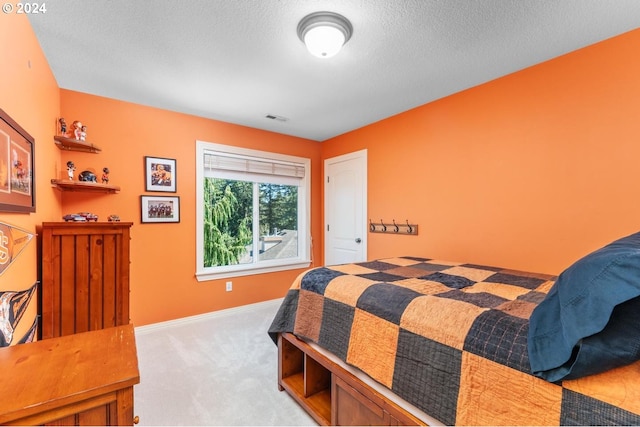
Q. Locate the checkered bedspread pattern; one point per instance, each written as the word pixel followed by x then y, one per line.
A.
pixel 451 339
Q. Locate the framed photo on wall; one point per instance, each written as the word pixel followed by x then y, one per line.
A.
pixel 160 174
pixel 17 172
pixel 160 209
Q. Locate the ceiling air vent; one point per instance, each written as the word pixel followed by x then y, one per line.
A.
pixel 278 118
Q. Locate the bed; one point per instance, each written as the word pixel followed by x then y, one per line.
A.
pixel 478 345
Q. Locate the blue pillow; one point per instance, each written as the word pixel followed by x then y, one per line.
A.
pixel 582 326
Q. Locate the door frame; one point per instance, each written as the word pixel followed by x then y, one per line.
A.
pixel 361 155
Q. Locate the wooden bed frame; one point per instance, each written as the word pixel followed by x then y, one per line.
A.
pixel 330 393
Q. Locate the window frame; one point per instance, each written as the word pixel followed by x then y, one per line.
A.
pixel 303 260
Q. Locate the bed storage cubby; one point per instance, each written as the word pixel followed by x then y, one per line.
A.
pixel 328 392
pixel 308 381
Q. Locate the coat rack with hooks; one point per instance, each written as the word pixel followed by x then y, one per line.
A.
pixel 393 228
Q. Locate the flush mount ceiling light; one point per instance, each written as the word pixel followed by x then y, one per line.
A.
pixel 324 33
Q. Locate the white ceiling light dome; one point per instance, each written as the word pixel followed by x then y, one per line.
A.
pixel 324 33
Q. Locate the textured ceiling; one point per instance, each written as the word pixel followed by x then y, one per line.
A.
pixel 240 60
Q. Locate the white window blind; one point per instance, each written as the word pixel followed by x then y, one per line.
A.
pixel 217 161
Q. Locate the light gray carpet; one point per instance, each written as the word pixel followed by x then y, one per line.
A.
pixel 215 369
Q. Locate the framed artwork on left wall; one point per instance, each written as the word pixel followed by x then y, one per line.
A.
pixel 17 171
pixel 160 174
pixel 159 209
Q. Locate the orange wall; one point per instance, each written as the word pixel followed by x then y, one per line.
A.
pixel 530 171
pixel 163 256
pixel 29 95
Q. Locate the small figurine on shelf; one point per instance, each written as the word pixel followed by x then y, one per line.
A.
pixel 83 133
pixel 63 126
pixel 105 175
pixel 70 168
pixel 76 127
pixel 87 176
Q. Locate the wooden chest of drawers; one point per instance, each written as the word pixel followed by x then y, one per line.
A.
pixel 85 276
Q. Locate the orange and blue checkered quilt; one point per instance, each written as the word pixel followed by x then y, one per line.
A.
pixel 451 339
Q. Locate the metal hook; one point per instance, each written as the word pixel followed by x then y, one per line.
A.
pixel 384 227
pixel 396 229
pixel 372 226
pixel 409 228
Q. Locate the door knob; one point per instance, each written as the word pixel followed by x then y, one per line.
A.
pixel 358 240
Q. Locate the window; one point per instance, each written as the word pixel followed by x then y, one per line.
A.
pixel 252 211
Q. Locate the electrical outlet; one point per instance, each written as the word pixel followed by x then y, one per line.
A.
pixel 229 286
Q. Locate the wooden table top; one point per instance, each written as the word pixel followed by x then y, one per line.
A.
pixel 49 373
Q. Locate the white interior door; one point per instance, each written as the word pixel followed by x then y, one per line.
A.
pixel 345 207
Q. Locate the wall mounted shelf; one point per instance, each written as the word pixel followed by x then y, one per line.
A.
pixel 71 144
pixel 68 185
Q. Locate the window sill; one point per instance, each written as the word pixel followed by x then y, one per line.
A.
pixel 203 276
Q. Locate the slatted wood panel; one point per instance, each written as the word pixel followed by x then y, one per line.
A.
pixel 85 276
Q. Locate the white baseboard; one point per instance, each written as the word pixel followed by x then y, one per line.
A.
pixel 139 330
